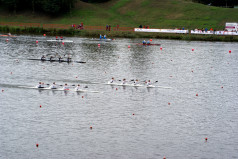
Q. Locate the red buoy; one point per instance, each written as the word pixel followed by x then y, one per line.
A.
pixel 99 45
pixel 229 51
pixel 91 127
pixel 192 49
pixel 116 89
pixel 196 94
pixel 206 139
pixel 82 96
pixel 37 41
pixel 40 106
pixel 63 43
pixel 44 34
pixel 129 46
pixel 169 103
pixel 37 145
pixel 133 114
pixel 6 40
pixel 2 90
pixel 150 39
pixel 161 48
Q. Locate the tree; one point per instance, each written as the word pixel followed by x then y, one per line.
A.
pixel 53 7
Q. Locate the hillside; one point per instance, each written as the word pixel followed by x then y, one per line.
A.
pixel 132 13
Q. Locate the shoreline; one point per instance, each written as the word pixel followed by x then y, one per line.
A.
pixel 116 34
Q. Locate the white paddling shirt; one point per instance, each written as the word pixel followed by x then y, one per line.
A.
pixel 112 81
pixel 40 86
pixel 53 86
pixel 66 88
pixel 77 88
pixel 136 83
pixel 148 83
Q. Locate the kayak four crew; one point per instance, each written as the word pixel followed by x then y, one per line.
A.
pixel 60 59
pixel 135 82
pixel 55 86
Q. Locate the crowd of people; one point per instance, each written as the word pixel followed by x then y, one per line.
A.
pixel 144 27
pixel 79 26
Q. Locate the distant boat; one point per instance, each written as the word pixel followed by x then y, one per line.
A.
pixel 8 36
pixel 146 44
pixel 96 39
pixel 65 41
pixel 57 60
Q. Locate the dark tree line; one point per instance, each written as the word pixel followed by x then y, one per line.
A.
pixel 52 7
pixel 95 1
pixel 229 3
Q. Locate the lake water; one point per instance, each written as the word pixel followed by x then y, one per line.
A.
pixel 126 122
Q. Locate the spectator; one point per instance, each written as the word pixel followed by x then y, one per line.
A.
pixel 140 26
pixel 109 27
pixel 117 27
pixel 106 27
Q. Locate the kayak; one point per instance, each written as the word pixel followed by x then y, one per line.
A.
pixel 65 41
pixel 146 44
pixel 60 89
pixel 8 36
pixel 101 39
pixel 57 60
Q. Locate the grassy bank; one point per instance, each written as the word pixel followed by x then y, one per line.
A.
pixel 115 34
pixel 131 13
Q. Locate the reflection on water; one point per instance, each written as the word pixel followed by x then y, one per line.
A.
pixel 126 121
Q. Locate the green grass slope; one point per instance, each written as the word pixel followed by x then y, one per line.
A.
pixel 132 13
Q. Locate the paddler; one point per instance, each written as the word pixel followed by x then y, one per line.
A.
pixel 136 82
pixel 40 85
pixel 77 88
pixel 100 36
pixel 60 59
pixel 143 42
pixel 66 87
pixel 112 80
pixel 124 81
pixel 105 37
pixel 148 83
pixel 53 86
pixel 43 58
pixel 68 59
pixel 51 58
pixel 148 42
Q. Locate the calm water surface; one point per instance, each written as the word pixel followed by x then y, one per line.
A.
pixel 127 122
